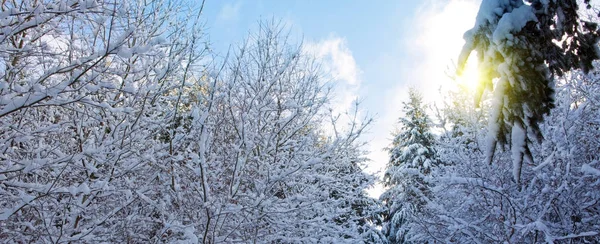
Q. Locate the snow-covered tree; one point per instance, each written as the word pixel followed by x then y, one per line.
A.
pixel 538 58
pixel 557 201
pixel 116 127
pixel 412 157
pixel 273 175
pixel 83 92
pixel 521 46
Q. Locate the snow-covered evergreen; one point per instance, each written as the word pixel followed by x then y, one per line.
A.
pixel 412 157
pixel 539 191
pixel 521 46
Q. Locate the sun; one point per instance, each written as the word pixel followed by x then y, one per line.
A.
pixel 469 79
pixel 438 43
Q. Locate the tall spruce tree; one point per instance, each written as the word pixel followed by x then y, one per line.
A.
pixel 412 157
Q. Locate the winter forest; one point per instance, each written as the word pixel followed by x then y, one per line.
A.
pixel 119 123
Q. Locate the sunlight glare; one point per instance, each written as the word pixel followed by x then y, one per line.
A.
pixel 438 43
pixel 469 78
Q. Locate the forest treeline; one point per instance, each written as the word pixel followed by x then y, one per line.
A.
pixel 119 124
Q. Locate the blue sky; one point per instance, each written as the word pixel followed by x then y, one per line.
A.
pixel 374 49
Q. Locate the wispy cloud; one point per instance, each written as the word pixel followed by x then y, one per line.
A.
pixel 338 61
pixel 230 12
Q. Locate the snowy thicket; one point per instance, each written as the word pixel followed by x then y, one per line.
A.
pixel 85 89
pixel 117 127
pixel 269 174
pixel 412 157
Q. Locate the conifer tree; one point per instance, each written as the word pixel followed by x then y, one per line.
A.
pixel 412 157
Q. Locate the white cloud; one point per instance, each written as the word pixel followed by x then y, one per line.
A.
pixel 230 11
pixel 338 61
